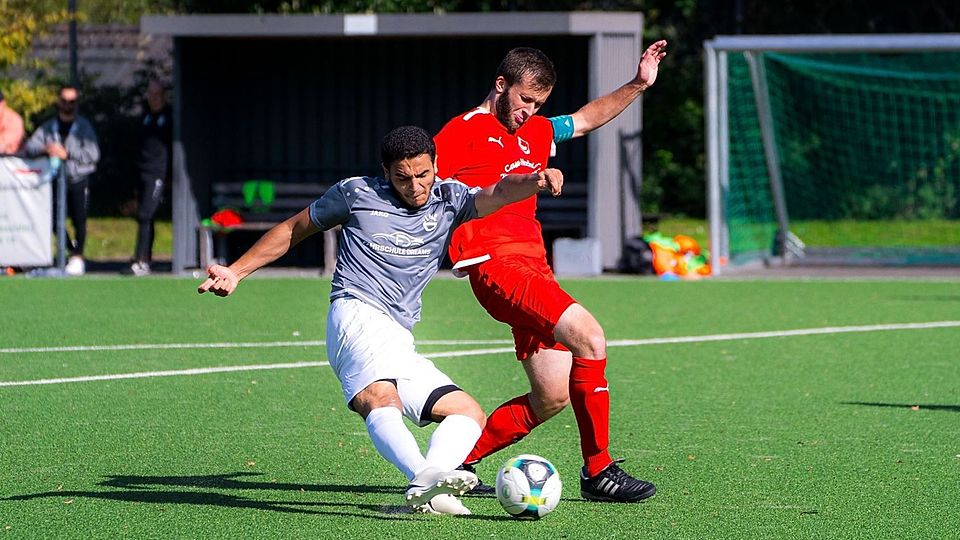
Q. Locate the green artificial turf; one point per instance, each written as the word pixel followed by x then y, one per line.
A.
pixel 837 435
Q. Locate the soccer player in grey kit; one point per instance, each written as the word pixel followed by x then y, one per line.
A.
pixel 394 233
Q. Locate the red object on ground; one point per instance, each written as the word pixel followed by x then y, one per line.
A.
pixel 227 218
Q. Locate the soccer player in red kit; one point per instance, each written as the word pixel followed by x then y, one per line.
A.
pixel 560 344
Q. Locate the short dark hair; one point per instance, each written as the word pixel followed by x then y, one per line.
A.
pixel 527 61
pixel 406 142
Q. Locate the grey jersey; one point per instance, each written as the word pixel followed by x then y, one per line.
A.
pixel 388 252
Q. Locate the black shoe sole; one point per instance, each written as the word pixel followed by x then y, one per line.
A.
pixel 483 489
pixel 639 497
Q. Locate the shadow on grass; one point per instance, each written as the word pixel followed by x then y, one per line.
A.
pixel 935 298
pixel 236 480
pixel 140 489
pixel 920 406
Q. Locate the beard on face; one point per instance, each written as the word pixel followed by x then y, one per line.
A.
pixel 503 112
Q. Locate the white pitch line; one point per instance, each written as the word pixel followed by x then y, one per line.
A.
pixel 478 352
pixel 161 346
pixel 473 352
pixel 227 345
pixel 785 333
pixel 170 373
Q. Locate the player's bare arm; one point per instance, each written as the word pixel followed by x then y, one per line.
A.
pixel 517 187
pixel 605 108
pixel 223 280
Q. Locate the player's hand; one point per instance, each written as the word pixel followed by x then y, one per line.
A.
pixel 222 281
pixel 650 63
pixel 551 180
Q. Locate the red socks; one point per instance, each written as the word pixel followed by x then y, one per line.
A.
pixel 505 426
pixel 590 399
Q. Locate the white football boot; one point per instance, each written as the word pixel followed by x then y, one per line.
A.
pixel 443 504
pixel 432 481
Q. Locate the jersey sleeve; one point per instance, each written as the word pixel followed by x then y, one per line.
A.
pixel 463 199
pixel 333 208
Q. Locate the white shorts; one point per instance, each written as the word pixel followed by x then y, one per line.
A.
pixel 366 345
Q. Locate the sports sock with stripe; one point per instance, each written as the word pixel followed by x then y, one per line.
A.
pixel 590 399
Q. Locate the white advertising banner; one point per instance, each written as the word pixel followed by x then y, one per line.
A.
pixel 26 212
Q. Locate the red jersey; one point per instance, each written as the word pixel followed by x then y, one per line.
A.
pixel 477 150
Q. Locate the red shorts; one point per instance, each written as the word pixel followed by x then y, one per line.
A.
pixel 522 292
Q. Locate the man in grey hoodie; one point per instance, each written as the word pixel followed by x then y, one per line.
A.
pixel 70 141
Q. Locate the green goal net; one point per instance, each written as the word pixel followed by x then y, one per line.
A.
pixel 839 157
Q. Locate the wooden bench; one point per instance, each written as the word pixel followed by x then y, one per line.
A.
pixel 289 198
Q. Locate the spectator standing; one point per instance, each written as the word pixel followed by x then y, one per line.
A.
pixel 155 156
pixel 70 141
pixel 11 128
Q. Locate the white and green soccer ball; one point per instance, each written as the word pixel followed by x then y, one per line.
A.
pixel 528 487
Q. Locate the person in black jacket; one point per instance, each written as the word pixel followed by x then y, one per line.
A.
pixel 155 157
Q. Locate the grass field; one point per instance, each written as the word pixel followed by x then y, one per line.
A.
pixel 848 430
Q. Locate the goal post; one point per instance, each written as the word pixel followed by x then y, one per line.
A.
pixel 833 149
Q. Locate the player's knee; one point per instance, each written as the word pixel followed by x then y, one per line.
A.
pixel 459 403
pixel 580 332
pixel 589 341
pixel 549 404
pixel 378 394
pixel 596 342
pixel 471 409
pixel 477 415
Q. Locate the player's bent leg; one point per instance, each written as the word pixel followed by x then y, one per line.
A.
pixel 509 423
pixel 460 420
pixel 548 371
pixel 589 394
pixel 379 405
pixel 601 478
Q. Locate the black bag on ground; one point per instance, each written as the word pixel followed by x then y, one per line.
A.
pixel 637 257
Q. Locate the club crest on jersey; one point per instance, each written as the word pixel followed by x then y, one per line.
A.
pixel 524 145
pixel 399 239
pixel 430 222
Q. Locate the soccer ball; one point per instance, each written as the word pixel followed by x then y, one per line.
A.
pixel 528 487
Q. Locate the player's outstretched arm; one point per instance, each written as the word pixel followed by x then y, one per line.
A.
pixel 223 280
pixel 605 108
pixel 517 187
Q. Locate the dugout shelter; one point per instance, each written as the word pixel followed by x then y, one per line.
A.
pixel 306 98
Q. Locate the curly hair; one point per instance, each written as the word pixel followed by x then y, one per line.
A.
pixel 406 142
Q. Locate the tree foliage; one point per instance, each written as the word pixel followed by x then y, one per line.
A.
pixel 26 87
